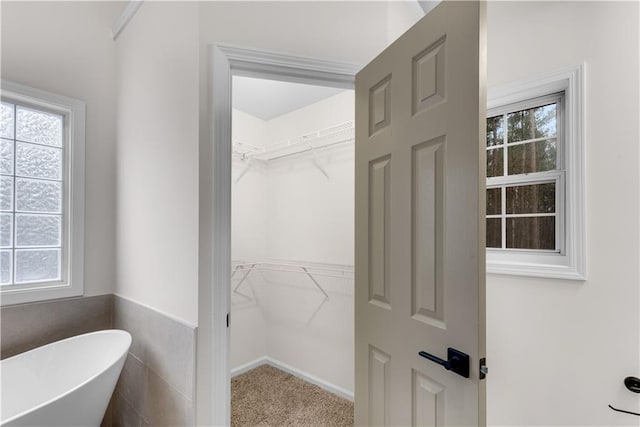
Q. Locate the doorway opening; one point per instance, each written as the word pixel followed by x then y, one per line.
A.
pixel 226 63
pixel 292 245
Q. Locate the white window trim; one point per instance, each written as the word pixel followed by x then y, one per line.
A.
pixel 571 262
pixel 73 228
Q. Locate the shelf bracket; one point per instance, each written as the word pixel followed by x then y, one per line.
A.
pixel 245 170
pixel 326 296
pixel 235 270
pixel 249 270
pixel 316 160
pixel 254 266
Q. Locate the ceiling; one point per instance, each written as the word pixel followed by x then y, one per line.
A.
pixel 267 99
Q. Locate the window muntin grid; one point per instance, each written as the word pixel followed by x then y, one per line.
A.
pixel 529 132
pixel 33 186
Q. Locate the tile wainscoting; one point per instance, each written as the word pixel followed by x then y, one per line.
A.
pixel 157 385
pixel 24 327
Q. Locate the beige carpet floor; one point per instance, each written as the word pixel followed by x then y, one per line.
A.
pixel 266 396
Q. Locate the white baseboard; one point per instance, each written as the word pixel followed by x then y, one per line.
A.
pixel 265 360
pixel 249 366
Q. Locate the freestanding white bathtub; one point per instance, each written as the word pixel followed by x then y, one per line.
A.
pixel 66 383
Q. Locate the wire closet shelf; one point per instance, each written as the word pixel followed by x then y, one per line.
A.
pixel 313 141
pixel 311 270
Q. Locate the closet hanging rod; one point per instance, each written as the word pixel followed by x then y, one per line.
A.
pixel 300 271
pixel 303 269
pixel 268 154
pixel 248 146
pixel 318 266
pixel 348 270
pixel 319 139
pixel 312 148
pixel 345 135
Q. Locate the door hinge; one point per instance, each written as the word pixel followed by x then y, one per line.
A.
pixel 484 369
pixel 227 320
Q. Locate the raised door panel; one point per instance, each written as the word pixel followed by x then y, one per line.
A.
pixel 379 216
pixel 427 209
pixel 428 401
pixel 419 230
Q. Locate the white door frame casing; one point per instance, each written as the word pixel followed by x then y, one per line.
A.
pixel 225 62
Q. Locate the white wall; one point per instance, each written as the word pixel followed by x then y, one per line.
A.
pixel 342 31
pixel 66 48
pixel 311 216
pixel 306 217
pixel 249 191
pixel 157 114
pixel 401 16
pixel 559 350
pixel 331 111
pixel 307 332
pixel 249 226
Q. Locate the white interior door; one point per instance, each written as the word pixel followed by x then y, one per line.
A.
pixel 420 256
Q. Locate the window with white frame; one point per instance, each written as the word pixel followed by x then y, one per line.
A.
pixel 535 178
pixel 525 176
pixel 42 195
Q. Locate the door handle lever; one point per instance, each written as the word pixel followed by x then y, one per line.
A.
pixel 632 384
pixel 624 412
pixel 457 361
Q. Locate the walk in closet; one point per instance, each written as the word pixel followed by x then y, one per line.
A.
pixel 292 281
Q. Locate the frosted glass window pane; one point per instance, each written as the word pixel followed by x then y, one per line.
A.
pixel 6 193
pixel 6 152
pixel 38 162
pixel 37 265
pixel 6 121
pixel 6 230
pixel 38 230
pixel 6 262
pixel 38 196
pixel 39 127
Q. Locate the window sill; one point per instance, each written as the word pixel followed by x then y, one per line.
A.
pixel 38 292
pixel 548 267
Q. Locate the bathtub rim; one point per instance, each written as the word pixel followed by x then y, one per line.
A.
pixel 83 383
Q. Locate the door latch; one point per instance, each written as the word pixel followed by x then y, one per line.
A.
pixel 457 361
pixel 484 369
